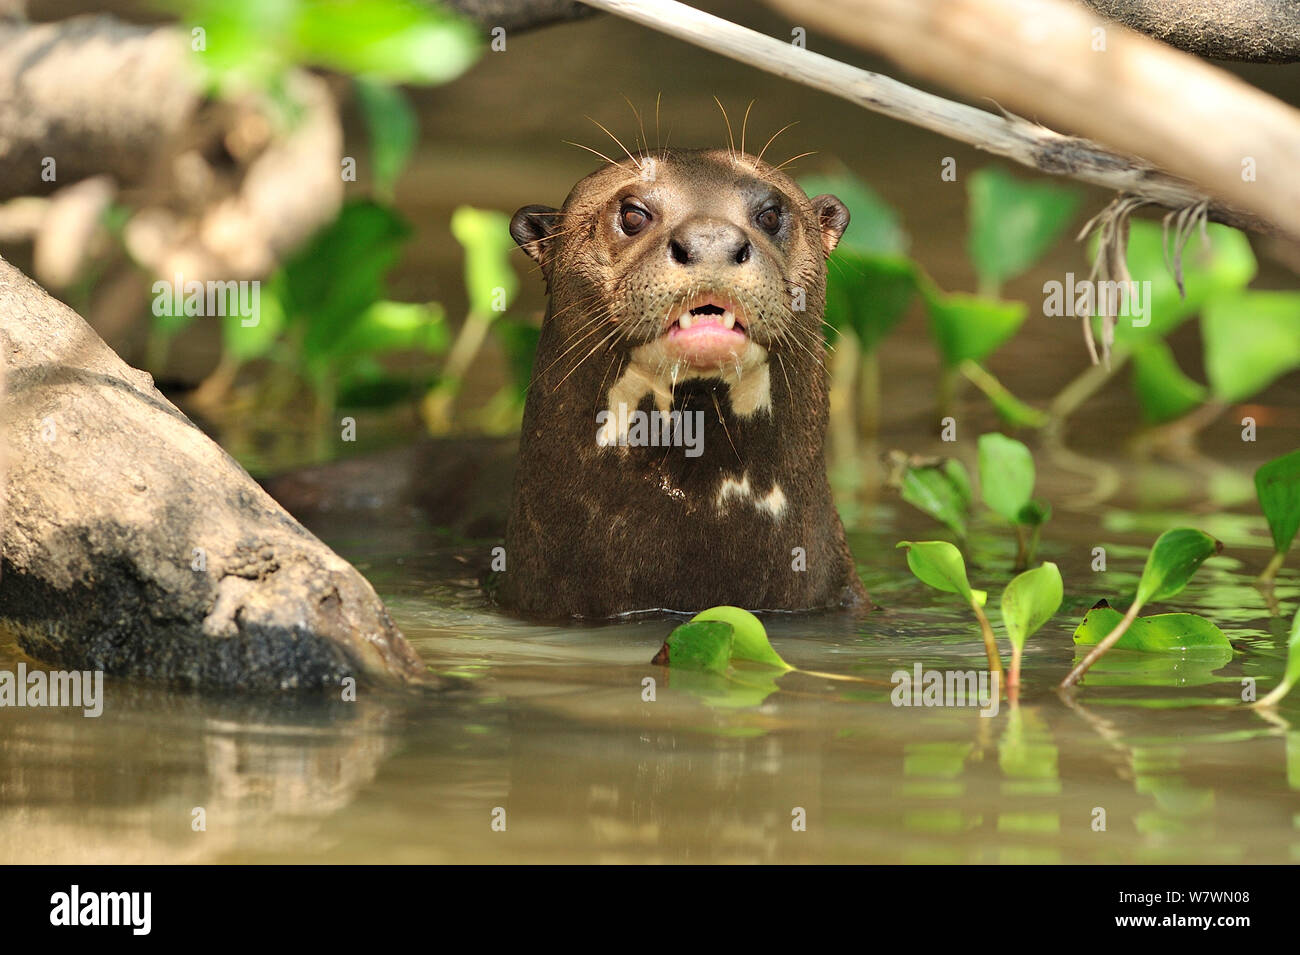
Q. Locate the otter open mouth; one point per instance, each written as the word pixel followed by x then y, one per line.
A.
pixel 708 331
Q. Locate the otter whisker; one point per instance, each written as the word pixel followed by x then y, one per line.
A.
pixel 759 158
pixel 597 152
pixel 635 161
pixel 812 152
pixel 743 124
pixel 731 139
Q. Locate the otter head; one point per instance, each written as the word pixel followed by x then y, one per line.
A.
pixel 684 264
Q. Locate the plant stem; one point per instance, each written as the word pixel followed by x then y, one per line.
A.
pixel 1275 697
pixel 1022 549
pixel 1109 641
pixel 948 381
pixel 1010 407
pixel 1086 384
pixel 869 394
pixel 437 403
pixel 1268 574
pixel 1013 677
pixel 990 644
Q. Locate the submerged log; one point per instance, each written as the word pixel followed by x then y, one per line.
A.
pixel 133 544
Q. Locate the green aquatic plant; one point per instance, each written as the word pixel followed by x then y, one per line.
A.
pixel 940 489
pixel 1277 484
pixel 1291 675
pixel 940 564
pixel 1007 478
pixel 1173 559
pixel 1028 602
pixel 1158 633
pixel 713 638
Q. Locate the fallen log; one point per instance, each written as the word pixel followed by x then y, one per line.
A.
pixel 133 544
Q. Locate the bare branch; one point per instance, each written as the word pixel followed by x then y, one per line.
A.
pixel 899 29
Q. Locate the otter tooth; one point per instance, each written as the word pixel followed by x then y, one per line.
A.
pixel 685 321
pixel 728 321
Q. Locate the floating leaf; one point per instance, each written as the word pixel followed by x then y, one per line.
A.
pixel 702 645
pixel 1251 338
pixel 940 490
pixel 1159 633
pixel 1277 484
pixel 751 641
pixel 1006 474
pixel 939 564
pixel 1030 600
pixel 1013 222
pixel 1173 560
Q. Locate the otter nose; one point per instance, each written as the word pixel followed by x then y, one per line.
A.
pixel 708 242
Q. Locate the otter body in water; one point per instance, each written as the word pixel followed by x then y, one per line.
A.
pixel 672 454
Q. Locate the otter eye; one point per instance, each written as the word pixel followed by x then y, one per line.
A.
pixel 633 219
pixel 769 219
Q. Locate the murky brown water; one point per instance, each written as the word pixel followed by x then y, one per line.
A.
pixel 555 731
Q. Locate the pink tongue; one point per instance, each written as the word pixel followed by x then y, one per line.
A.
pixel 707 341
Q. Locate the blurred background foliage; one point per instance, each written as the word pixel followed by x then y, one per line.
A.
pixel 414 311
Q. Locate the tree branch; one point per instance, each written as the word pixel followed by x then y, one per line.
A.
pixel 1260 31
pixel 133 544
pixel 899 30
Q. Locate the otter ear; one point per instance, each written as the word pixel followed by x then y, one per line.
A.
pixel 533 225
pixel 832 219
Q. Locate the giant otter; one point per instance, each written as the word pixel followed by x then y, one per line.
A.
pixel 672 448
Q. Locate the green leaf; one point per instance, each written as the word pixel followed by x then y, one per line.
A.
pixel 394 326
pixel 939 564
pixel 490 280
pixel 942 491
pixel 703 645
pixel 868 294
pixel 242 342
pixel 1251 338
pixel 968 327
pixel 1034 513
pixel 874 227
pixel 1225 264
pixel 392 126
pixel 1006 474
pixel 751 641
pixel 1029 601
pixel 339 274
pixel 1163 391
pixel 1277 484
pixel 396 41
pixel 1013 223
pixel 518 340
pixel 1174 558
pixel 1159 633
